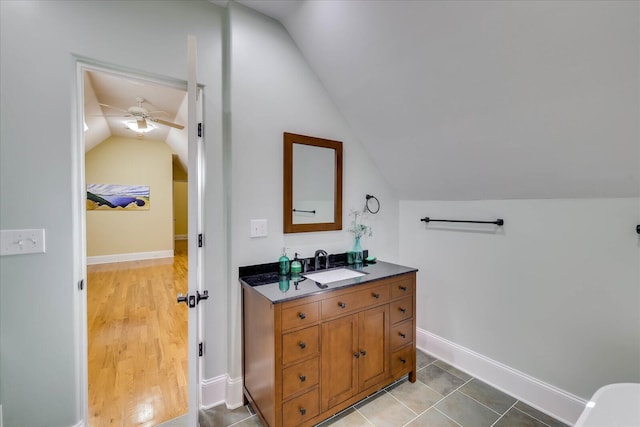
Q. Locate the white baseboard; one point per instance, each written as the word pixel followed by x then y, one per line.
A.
pixel 134 256
pixel 551 400
pixel 221 389
pixel 213 391
pixel 181 237
pixel 235 395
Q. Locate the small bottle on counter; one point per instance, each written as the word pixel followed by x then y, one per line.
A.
pixel 296 266
pixel 284 263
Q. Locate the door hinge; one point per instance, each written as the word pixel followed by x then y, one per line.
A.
pixel 200 130
pixel 200 240
pixel 201 349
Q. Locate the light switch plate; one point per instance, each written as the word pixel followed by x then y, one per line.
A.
pixel 258 228
pixel 20 242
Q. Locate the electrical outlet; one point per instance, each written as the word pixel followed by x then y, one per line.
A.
pixel 20 242
pixel 258 228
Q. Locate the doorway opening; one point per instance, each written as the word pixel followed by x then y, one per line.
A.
pixel 136 171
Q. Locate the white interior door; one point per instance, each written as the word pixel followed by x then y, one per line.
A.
pixel 196 180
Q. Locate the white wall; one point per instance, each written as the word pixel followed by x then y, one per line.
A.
pixel 39 304
pixel 273 91
pixel 555 293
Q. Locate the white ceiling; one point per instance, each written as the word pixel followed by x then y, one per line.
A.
pixel 464 100
pixel 162 101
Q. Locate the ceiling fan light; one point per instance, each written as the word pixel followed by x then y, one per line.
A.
pixel 133 125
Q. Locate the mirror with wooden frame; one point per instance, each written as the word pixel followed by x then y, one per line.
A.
pixel 312 184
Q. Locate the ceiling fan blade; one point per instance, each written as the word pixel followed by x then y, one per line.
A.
pixel 142 123
pixel 108 115
pixel 112 107
pixel 166 123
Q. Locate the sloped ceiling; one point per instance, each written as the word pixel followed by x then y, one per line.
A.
pixel 459 100
pixel 118 92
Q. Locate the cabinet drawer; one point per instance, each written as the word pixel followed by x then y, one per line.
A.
pixel 300 315
pixel 401 334
pixel 302 408
pixel 300 377
pixel 401 309
pixel 354 301
pixel 402 360
pixel 402 288
pixel 300 344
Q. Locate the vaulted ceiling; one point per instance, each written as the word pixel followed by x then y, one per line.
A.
pixel 108 97
pixel 464 100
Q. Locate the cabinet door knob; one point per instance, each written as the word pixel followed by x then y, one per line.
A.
pixel 363 352
pixel 303 411
pixel 302 316
pixel 302 345
pixel 402 334
pixel 303 378
pixel 403 288
pixel 356 355
pixel 404 310
pixel 342 305
pixel 403 360
pixel 375 295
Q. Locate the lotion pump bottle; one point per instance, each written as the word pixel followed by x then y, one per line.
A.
pixel 284 262
pixel 296 266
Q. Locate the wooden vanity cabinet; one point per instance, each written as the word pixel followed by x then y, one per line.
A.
pixel 309 358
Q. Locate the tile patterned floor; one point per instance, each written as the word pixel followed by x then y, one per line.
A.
pixel 442 396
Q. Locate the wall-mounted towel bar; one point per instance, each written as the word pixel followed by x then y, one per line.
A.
pixel 300 210
pixel 499 222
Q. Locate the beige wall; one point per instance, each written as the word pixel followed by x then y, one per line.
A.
pixel 180 207
pixel 132 161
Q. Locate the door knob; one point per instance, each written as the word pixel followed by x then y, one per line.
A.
pixel 184 299
pixel 203 295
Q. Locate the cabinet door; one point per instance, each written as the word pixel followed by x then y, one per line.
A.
pixel 373 346
pixel 339 357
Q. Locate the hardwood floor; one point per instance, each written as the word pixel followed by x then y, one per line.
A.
pixel 137 338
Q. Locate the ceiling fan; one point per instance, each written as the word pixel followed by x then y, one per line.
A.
pixel 141 115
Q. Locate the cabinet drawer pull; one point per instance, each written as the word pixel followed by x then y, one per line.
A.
pixel 302 345
pixel 404 310
pixel 302 316
pixel 375 295
pixel 303 411
pixel 303 378
pixel 363 352
pixel 403 360
pixel 342 305
pixel 402 334
pixel 403 288
pixel 356 355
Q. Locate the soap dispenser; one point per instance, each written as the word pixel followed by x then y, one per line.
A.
pixel 296 266
pixel 284 262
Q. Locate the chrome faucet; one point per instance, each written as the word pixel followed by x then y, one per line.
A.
pixel 321 252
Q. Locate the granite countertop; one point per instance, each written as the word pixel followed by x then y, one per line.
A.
pixel 265 280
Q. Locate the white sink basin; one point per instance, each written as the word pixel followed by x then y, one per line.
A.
pixel 335 275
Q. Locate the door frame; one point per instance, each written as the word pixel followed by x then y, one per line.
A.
pixel 82 64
